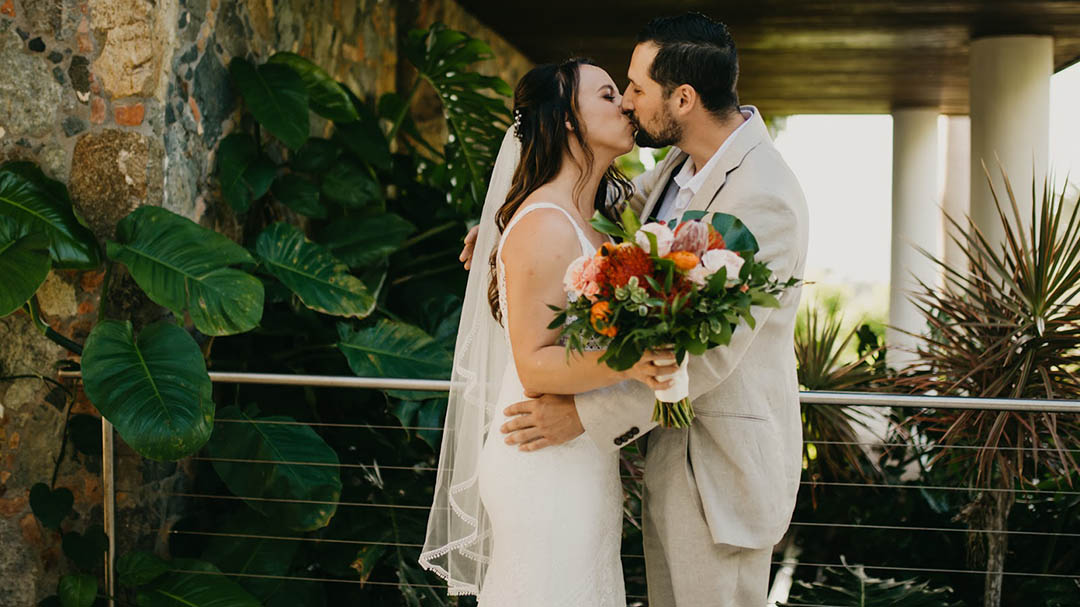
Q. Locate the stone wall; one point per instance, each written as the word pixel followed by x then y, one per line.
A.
pixel 125 102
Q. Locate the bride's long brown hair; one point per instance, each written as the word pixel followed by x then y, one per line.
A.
pixel 544 100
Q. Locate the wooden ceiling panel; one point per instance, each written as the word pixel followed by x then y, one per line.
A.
pixel 806 56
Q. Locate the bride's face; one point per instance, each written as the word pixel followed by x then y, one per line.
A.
pixel 599 110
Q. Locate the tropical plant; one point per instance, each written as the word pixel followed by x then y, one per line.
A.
pixel 852 587
pixel 831 432
pixel 342 264
pixel 1006 326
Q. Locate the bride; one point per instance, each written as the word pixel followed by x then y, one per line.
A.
pixel 543 528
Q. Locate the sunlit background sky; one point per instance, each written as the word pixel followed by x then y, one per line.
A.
pixel 845 166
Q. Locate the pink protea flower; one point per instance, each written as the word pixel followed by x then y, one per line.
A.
pixel 692 236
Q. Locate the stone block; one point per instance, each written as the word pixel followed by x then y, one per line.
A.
pixel 109 172
pixel 29 95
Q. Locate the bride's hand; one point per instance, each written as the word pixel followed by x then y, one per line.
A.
pixel 654 364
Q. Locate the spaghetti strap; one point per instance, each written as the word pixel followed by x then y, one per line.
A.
pixel 586 246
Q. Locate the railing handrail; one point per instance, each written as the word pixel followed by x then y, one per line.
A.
pixel 861 399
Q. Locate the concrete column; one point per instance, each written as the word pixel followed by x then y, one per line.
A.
pixel 916 224
pixel 1010 108
pixel 956 197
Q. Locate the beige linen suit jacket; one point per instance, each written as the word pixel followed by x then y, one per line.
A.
pixel 743 451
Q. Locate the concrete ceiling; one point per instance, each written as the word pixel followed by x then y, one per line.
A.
pixel 805 56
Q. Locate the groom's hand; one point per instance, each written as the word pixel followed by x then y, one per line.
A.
pixel 544 421
pixel 467 249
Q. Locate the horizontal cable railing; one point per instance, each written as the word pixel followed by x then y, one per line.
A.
pixel 850 399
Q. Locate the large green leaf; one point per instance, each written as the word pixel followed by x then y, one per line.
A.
pixel 244 174
pixel 43 204
pixel 24 262
pixel 394 349
pixel 138 568
pixel 319 279
pixel 362 241
pixel 476 120
pixel 351 186
pixel 153 388
pixel 51 506
pixel 183 266
pixel 364 137
pixel 85 550
pixel 195 583
pixel 317 155
pixel 78 590
pixel 277 96
pixel 257 546
pixel 328 98
pixel 300 195
pixel 315 479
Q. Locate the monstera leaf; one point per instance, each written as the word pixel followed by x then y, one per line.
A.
pixel 243 173
pixel 327 98
pixel 183 266
pixel 276 96
pixel 317 479
pixel 153 388
pixel 476 120
pixel 43 204
pixel 319 279
pixel 24 263
pixel 362 241
pixel 195 583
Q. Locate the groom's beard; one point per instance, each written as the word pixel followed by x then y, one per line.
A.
pixel 670 132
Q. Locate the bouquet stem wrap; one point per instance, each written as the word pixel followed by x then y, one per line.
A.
pixel 673 408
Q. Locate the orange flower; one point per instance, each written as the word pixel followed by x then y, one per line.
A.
pixel 600 312
pixel 622 262
pixel 684 260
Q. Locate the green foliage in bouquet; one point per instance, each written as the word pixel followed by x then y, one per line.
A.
pixel 662 309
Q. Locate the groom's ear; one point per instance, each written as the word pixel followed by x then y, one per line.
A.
pixel 685 97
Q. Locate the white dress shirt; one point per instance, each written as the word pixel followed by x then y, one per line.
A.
pixel 690 180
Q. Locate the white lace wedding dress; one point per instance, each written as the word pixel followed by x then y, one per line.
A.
pixel 556 513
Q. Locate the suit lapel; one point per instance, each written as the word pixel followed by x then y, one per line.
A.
pixel 752 134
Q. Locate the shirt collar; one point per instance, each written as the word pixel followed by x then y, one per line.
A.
pixel 687 177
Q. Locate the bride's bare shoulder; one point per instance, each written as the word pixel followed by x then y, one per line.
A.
pixel 543 229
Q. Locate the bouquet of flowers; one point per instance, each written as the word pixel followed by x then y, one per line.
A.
pixel 682 285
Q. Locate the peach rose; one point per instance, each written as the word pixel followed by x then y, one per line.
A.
pixel 664 237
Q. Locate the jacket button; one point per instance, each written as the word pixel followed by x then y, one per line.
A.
pixel 634 431
pixel 619 440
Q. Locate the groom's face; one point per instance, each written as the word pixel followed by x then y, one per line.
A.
pixel 646 103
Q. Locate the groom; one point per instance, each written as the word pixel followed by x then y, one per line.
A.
pixel 719 494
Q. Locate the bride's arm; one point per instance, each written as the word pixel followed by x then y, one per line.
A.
pixel 535 257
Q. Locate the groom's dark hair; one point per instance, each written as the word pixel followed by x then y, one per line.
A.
pixel 695 50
